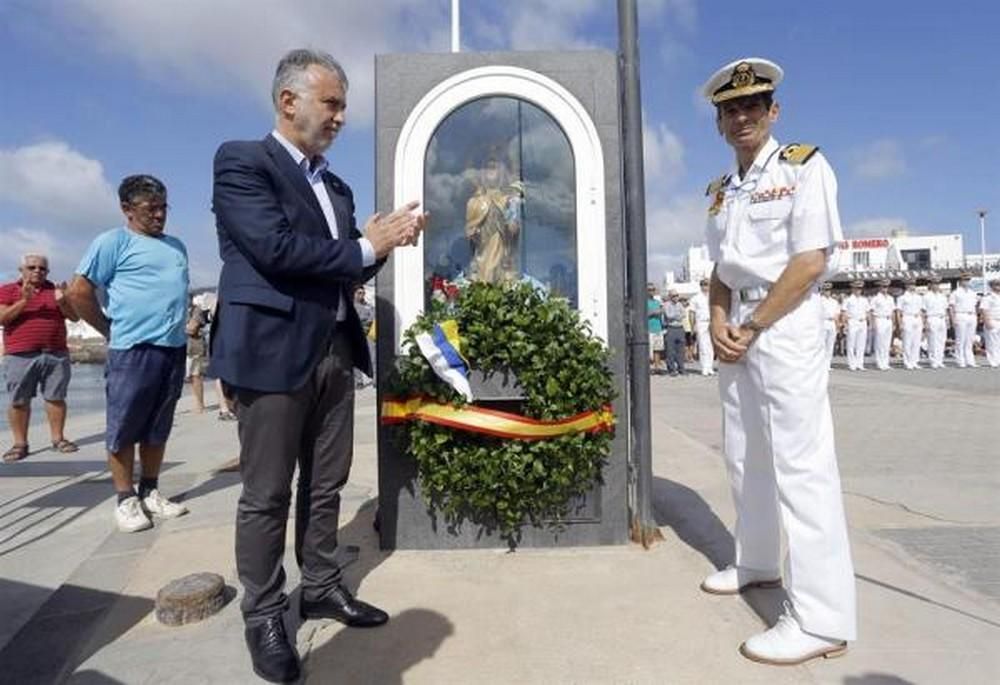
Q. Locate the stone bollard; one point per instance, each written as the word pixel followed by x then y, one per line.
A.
pixel 190 599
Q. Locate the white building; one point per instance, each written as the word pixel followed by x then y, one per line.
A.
pixel 901 252
pixel 696 265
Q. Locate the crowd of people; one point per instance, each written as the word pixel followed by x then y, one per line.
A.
pixel 678 331
pixel 916 327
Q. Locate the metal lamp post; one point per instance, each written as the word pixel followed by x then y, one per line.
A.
pixel 982 247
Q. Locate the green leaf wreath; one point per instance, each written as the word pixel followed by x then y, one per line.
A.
pixel 496 483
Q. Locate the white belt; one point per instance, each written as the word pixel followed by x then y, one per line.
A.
pixel 753 294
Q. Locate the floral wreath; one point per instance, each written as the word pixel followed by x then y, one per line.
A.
pixel 495 469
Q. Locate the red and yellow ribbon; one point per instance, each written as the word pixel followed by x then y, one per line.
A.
pixel 491 422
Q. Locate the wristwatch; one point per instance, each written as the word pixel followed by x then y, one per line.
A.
pixel 753 325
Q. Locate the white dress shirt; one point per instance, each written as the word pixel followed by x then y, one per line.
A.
pixel 313 172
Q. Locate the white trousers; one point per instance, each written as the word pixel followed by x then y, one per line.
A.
pixel 965 331
pixel 883 341
pixel 857 338
pixel 779 449
pixel 706 355
pixel 993 344
pixel 912 332
pixel 937 331
pixel 829 339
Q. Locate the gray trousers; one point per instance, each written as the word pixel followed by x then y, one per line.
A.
pixel 312 427
pixel 673 348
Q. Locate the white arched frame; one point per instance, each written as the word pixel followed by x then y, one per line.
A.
pixel 411 148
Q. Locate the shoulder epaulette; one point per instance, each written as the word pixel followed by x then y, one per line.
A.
pixel 716 185
pixel 797 153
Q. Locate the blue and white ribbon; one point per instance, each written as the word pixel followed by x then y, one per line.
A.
pixel 441 348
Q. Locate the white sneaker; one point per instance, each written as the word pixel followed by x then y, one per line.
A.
pixel 787 644
pixel 130 517
pixel 732 580
pixel 157 504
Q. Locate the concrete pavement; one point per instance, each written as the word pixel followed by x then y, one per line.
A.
pixel 919 464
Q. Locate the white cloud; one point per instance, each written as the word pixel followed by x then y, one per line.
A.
pixel 880 227
pixel 559 24
pixel 226 44
pixel 684 13
pixel 58 184
pixel 881 159
pixel 672 226
pixel 663 156
pixel 20 240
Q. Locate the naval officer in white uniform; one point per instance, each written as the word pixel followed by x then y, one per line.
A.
pixel 857 312
pixel 883 309
pixel 910 321
pixel 962 307
pixel 989 309
pixel 831 321
pixel 935 322
pixel 773 226
pixel 700 310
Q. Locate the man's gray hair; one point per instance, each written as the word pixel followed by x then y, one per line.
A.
pixel 292 67
pixel 37 255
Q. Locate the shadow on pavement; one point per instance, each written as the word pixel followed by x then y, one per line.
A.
pixel 685 512
pixel 90 677
pixel 20 525
pixel 381 655
pixel 30 468
pixel 220 479
pixel 358 554
pixel 876 679
pixel 66 630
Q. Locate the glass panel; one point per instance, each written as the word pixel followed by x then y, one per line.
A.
pixel 500 187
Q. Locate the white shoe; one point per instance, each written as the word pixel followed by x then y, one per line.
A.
pixel 155 503
pixel 130 517
pixel 732 581
pixel 787 644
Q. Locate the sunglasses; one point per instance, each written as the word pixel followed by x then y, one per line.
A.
pixel 35 267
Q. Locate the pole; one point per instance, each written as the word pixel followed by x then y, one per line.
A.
pixel 455 43
pixel 643 525
pixel 982 247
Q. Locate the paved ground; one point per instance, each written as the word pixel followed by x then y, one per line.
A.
pixel 920 470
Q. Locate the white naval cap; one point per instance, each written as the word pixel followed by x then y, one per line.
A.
pixel 742 77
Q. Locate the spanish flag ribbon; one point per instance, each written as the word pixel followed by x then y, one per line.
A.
pixel 491 422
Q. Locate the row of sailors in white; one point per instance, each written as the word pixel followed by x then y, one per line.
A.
pixel 914 314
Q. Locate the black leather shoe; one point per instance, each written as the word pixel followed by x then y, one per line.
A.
pixel 341 605
pixel 273 657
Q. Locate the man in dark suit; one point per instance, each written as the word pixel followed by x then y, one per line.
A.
pixel 285 342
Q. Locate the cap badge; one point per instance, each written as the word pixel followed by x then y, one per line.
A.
pixel 743 75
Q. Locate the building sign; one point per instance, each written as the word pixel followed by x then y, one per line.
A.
pixel 864 243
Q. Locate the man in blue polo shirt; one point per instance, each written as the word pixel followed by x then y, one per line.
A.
pixel 143 274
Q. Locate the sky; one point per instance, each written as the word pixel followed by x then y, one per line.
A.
pixel 901 97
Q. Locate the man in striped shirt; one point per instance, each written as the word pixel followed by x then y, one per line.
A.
pixel 33 313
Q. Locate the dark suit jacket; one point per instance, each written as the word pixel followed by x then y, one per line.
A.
pixel 283 274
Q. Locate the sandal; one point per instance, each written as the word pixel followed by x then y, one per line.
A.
pixel 15 453
pixel 65 446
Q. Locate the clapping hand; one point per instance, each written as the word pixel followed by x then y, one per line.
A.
pixel 27 290
pixel 401 227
